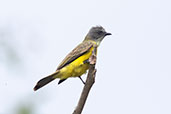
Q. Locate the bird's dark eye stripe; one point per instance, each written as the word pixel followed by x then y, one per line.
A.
pixel 100 32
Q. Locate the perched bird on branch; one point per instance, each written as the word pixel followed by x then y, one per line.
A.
pixel 76 63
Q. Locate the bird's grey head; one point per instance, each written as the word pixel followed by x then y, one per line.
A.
pixel 97 34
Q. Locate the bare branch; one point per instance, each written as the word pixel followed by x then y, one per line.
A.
pixel 88 84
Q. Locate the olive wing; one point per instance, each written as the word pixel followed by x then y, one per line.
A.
pixel 80 50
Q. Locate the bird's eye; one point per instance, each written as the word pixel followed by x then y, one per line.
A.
pixel 100 32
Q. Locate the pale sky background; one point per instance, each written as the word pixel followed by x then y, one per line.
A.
pixel 133 65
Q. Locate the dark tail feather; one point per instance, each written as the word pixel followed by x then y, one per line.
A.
pixel 44 81
pixel 60 81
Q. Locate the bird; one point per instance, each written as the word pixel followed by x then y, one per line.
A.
pixel 75 64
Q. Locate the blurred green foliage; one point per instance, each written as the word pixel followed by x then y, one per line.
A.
pixel 24 109
pixel 8 47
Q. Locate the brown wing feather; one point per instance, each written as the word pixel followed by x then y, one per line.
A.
pixel 75 53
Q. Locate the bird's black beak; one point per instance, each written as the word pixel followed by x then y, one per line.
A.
pixel 108 34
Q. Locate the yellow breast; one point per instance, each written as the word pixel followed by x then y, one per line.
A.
pixel 77 67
